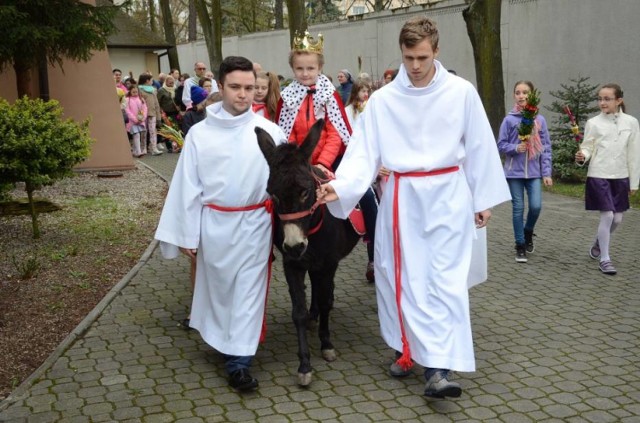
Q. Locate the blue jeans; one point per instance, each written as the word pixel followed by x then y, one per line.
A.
pixel 517 186
pixel 236 362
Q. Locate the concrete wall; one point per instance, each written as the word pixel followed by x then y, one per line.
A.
pixel 134 60
pixel 545 41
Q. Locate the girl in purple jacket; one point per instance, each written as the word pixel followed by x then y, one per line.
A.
pixel 524 171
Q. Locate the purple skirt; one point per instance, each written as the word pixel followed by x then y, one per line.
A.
pixel 607 194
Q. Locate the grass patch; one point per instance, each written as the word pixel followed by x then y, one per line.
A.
pixel 576 190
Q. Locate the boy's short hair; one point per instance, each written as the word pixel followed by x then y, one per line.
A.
pixel 295 53
pixel 234 63
pixel 144 78
pixel 417 29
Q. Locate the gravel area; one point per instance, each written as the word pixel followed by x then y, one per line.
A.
pixel 47 286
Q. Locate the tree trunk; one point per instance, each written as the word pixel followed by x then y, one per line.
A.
pixel 279 14
pixel 193 21
pixel 483 26
pixel 169 34
pixel 33 212
pixel 152 16
pixel 297 19
pixel 216 19
pixel 23 78
pixel 212 29
pixel 43 77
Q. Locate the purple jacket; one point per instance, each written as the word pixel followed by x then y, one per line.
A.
pixel 518 165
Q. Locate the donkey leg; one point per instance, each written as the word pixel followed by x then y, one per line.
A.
pixel 323 282
pixel 295 281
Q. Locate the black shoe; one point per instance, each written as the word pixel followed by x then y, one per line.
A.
pixel 242 380
pixel 528 240
pixel 521 253
pixel 369 274
pixel 185 324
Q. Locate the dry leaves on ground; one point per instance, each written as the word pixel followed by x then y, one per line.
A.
pixel 84 250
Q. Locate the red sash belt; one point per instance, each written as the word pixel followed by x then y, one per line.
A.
pixel 268 205
pixel 405 361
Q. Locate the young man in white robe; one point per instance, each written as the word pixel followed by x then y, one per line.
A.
pixel 217 211
pixel 428 127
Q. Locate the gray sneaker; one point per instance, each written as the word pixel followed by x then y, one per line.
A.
pixel 607 268
pixel 439 386
pixel 396 370
pixel 594 251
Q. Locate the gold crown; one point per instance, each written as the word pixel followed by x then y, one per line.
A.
pixel 308 43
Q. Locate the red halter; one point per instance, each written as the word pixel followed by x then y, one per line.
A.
pixel 285 217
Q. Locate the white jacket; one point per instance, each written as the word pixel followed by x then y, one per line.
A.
pixel 612 145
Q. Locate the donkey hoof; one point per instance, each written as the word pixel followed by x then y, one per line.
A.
pixel 304 379
pixel 329 355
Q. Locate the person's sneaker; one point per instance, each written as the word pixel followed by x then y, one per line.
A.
pixel 242 380
pixel 370 273
pixel 439 386
pixel 528 241
pixel 607 268
pixel 156 152
pixel 521 253
pixel 594 251
pixel 396 370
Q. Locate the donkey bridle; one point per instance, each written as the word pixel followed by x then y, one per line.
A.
pixel 285 217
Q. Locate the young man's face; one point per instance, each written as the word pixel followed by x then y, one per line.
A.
pixel 117 76
pixel 306 68
pixel 237 91
pixel 418 61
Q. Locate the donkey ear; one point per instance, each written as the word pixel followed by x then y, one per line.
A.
pixel 310 142
pixel 265 142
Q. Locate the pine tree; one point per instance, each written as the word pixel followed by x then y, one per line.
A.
pixel 580 96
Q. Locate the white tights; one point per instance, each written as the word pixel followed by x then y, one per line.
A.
pixel 609 221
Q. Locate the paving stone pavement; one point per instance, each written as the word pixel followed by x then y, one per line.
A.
pixel 555 341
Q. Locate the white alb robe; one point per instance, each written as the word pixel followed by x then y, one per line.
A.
pixel 222 164
pixel 408 129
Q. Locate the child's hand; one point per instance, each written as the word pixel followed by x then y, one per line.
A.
pixel 329 174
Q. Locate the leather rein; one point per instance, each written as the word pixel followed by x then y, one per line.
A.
pixel 286 217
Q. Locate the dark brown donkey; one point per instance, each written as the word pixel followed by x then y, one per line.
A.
pixel 309 237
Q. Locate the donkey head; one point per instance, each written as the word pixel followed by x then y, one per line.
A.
pixel 292 186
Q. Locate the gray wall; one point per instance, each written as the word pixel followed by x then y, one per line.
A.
pixel 545 41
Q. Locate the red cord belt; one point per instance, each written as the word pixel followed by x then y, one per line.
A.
pixel 405 361
pixel 268 205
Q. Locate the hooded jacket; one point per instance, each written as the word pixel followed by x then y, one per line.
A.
pixel 518 165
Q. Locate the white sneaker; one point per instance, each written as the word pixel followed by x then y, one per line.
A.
pixel 157 152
